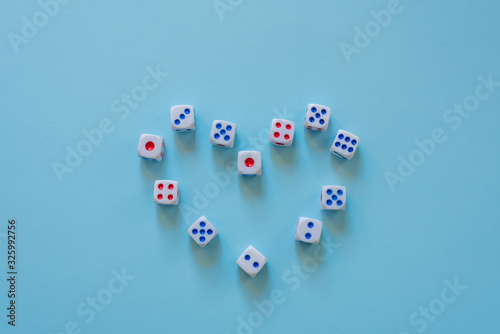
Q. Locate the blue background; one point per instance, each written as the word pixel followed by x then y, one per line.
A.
pixel 393 249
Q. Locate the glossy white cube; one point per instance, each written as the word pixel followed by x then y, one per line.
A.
pixel 282 132
pixel 223 133
pixel 317 117
pixel 202 231
pixel 308 230
pixel 166 192
pixel 151 147
pixel 182 118
pixel 345 144
pixel 251 261
pixel 333 197
pixel 249 163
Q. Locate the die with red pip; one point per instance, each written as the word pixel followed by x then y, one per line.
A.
pixel 282 132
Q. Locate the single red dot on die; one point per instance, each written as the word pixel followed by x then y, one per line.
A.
pixel 160 186
pixel 160 197
pixel 150 146
pixel 288 127
pixel 278 125
pixel 170 186
pixel 170 197
pixel 249 162
pixel 287 137
pixel 276 135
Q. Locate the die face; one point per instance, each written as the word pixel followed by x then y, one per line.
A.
pixel 249 163
pixel 251 261
pixel 182 118
pixel 202 231
pixel 333 198
pixel 317 117
pixel 345 145
pixel 223 133
pixel 308 230
pixel 151 147
pixel 166 192
pixel 282 132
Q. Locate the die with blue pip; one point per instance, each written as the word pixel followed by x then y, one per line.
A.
pixel 223 133
pixel 345 145
pixel 333 197
pixel 317 117
pixel 182 118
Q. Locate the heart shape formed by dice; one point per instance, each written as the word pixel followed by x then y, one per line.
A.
pixel 282 133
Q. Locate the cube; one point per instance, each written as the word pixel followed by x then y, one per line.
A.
pixel 333 198
pixel 182 118
pixel 202 231
pixel 223 133
pixel 166 192
pixel 308 230
pixel 151 147
pixel 317 117
pixel 345 145
pixel 251 261
pixel 249 163
pixel 282 132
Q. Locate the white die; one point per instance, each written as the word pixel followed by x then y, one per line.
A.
pixel 317 117
pixel 151 147
pixel 345 144
pixel 249 163
pixel 223 133
pixel 282 132
pixel 251 261
pixel 182 118
pixel 166 192
pixel 333 198
pixel 308 230
pixel 202 231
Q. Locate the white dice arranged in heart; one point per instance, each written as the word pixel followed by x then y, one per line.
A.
pixel 345 144
pixel 223 134
pixel 282 132
pixel 182 118
pixel 249 163
pixel 317 117
pixel 166 192
pixel 251 261
pixel 308 230
pixel 202 231
pixel 151 147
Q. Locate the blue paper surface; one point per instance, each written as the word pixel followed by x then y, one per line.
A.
pixel 416 249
